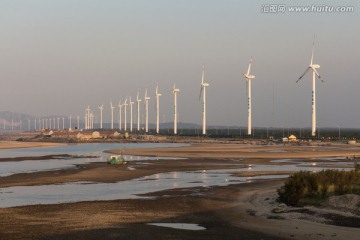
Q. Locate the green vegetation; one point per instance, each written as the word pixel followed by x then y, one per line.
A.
pixel 312 188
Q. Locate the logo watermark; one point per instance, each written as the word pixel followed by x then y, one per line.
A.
pixel 283 8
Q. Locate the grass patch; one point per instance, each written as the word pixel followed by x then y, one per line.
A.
pixel 307 188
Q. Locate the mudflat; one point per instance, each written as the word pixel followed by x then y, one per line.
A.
pixel 237 211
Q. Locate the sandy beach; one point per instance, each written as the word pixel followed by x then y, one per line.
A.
pixel 14 144
pixel 237 211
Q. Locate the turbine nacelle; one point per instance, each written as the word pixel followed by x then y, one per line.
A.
pixel 314 66
pixel 131 103
pixel 247 76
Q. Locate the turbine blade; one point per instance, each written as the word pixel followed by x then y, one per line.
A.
pixel 200 93
pixel 203 75
pixel 312 52
pixel 303 74
pixel 249 68
pixel 317 74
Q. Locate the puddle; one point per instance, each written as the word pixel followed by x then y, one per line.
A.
pixel 182 226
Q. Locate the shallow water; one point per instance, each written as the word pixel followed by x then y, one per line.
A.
pixel 30 166
pixel 182 226
pixel 90 191
pixel 80 149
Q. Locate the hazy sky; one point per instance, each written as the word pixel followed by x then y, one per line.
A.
pixel 58 56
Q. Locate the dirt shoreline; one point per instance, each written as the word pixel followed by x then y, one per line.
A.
pixel 15 144
pixel 239 211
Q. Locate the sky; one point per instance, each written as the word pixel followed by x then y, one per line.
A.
pixel 57 57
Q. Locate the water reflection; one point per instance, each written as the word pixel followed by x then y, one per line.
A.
pixel 182 226
pixel 80 149
pixel 89 191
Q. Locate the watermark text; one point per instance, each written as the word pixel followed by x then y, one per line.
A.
pixel 283 8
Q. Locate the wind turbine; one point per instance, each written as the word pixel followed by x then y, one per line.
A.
pixel 248 78
pixel 125 104
pixel 146 111
pixel 175 91
pixel 70 121
pixel 78 122
pixel 203 90
pixel 131 114
pixel 120 108
pixel 138 100
pixel 112 115
pixel 313 68
pixel 87 118
pixel 101 115
pixel 157 95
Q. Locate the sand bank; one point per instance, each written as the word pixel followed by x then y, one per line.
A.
pixel 14 144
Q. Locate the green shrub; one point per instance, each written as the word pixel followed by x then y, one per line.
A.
pixel 305 186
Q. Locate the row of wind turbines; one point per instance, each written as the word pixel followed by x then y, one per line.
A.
pixel 89 116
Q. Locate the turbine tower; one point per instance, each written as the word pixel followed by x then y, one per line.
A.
pixel 175 91
pixel 248 78
pixel 157 95
pixel 101 115
pixel 313 68
pixel 120 108
pixel 146 111
pixel 138 100
pixel 131 114
pixel 69 122
pixel 125 104
pixel 203 91
pixel 112 115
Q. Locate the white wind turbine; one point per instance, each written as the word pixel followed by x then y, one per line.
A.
pixel 131 114
pixel 147 98
pixel 175 91
pixel 125 123
pixel 157 95
pixel 101 115
pixel 248 78
pixel 112 115
pixel 120 111
pixel 138 100
pixel 203 91
pixel 70 121
pixel 313 68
